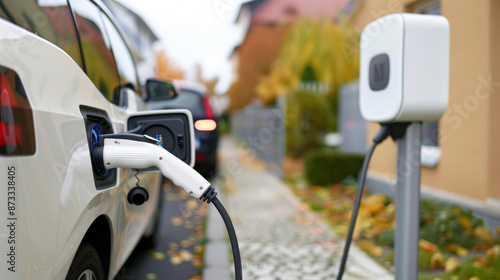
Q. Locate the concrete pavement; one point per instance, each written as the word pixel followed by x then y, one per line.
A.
pixel 279 237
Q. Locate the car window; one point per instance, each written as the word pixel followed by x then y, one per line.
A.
pixel 188 99
pixel 50 19
pixel 99 60
pixel 123 58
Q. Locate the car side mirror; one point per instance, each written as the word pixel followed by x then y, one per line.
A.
pixel 173 129
pixel 157 89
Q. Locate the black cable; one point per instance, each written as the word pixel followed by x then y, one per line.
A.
pixel 211 196
pixel 382 134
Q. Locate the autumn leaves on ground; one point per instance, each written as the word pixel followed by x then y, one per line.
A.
pixel 453 243
pixel 179 250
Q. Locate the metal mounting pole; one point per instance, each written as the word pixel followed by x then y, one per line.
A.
pixel 408 204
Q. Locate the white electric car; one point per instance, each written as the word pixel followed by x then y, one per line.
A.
pixel 66 75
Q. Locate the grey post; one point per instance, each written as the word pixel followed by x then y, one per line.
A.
pixel 408 204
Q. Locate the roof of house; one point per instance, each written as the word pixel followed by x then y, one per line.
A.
pixel 252 5
pixel 275 11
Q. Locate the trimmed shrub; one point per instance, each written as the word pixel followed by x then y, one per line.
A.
pixel 309 117
pixel 327 166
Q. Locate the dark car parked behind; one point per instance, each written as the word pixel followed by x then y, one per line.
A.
pixel 195 97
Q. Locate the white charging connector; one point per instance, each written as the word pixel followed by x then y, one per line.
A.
pixel 128 150
pixel 137 155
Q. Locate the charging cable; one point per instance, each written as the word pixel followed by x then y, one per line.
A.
pixel 127 150
pixel 396 131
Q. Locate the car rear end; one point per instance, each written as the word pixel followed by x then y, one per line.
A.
pixel 195 97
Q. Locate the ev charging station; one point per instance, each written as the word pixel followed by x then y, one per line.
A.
pixel 404 75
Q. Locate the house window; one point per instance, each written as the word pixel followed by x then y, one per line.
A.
pixel 428 7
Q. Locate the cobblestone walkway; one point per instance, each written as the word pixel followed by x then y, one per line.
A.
pixel 280 238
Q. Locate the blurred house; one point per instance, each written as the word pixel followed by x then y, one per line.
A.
pixel 265 22
pixel 462 151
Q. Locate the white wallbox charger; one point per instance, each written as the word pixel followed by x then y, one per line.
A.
pixel 404 68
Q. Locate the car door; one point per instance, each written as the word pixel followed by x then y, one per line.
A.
pixel 109 64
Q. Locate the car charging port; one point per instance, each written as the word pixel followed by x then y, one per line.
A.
pixel 97 123
pixel 94 131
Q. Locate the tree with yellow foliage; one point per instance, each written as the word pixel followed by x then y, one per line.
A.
pixel 314 60
pixel 328 50
pixel 165 68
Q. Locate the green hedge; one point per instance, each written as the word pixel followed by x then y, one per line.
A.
pixel 325 166
pixel 308 117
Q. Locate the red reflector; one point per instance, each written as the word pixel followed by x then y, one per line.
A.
pixel 10 135
pixel 205 125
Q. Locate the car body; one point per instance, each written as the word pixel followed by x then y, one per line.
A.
pixel 195 97
pixel 64 66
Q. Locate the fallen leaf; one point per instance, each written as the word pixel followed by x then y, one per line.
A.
pixel 464 222
pixel 186 255
pixel 177 221
pixel 437 260
pixel 151 276
pixel 387 214
pixel 198 248
pixel 377 251
pixel 451 264
pixel 176 259
pixel 427 246
pixel 157 255
pixel 483 233
pixel 494 252
pixel 370 247
pixel 186 243
pixel 374 203
pixel 197 262
pixel 192 204
pixel 455 249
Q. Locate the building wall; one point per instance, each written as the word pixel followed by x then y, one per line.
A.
pixel 256 54
pixel 494 144
pixel 470 161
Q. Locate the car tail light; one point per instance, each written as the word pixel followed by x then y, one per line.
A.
pixel 208 108
pixel 205 125
pixel 201 157
pixel 16 118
